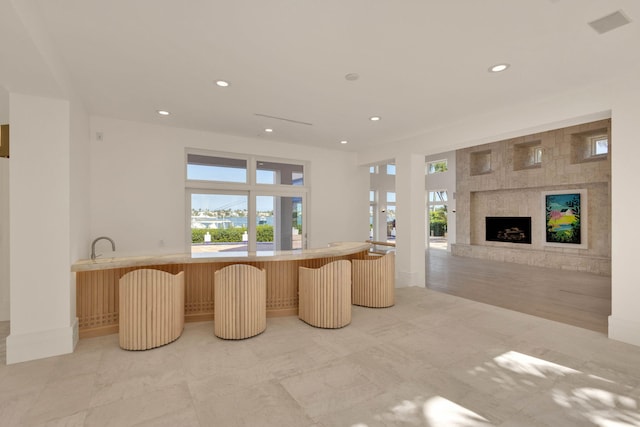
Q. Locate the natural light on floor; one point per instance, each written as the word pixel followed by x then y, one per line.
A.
pixel 531 384
pixel 523 364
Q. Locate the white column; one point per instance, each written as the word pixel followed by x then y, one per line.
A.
pixel 4 239
pixel 41 325
pixel 624 322
pixel 410 220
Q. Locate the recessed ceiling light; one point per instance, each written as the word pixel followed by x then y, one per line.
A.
pixel 343 142
pixel 163 112
pixel 269 130
pixel 375 118
pixel 222 83
pixel 498 68
pixel 352 77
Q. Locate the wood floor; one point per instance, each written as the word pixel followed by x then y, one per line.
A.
pixel 575 298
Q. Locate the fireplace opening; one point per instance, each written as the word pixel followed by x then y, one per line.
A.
pixel 512 229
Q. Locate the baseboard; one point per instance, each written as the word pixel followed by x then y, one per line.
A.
pixel 41 344
pixel 407 279
pixel 624 330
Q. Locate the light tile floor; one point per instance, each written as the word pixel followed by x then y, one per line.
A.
pixel 432 360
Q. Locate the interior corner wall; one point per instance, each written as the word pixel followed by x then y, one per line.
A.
pixel 40 248
pixel 80 193
pixel 410 213
pixel 4 239
pixel 138 185
pixel 624 322
pixel 4 215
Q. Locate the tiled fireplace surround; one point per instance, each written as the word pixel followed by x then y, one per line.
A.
pixel 500 179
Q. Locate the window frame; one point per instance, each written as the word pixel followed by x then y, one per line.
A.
pixel 251 188
pixel 593 145
pixel 430 163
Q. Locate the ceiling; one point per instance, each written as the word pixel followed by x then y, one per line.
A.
pixel 421 63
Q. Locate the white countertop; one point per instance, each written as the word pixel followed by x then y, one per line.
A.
pixel 334 249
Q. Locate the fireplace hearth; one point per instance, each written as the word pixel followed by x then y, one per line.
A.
pixel 510 229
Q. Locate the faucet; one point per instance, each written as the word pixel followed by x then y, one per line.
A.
pixel 93 246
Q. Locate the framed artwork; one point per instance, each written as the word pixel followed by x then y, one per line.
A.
pixel 565 214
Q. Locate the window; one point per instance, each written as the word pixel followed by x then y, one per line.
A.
pixel 590 146
pixel 391 169
pixel 211 168
pixel 437 196
pixel 373 169
pixel 437 166
pixel 599 145
pixel 372 210
pixel 278 223
pixel 244 203
pixel 391 222
pixel 536 155
pixel 219 221
pixel 437 206
pixel 279 173
pixel 391 197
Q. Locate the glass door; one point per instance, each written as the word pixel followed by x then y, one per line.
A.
pixel 279 223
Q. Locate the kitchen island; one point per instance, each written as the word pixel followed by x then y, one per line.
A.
pixel 97 280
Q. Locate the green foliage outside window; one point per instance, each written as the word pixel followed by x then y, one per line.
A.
pixel 438 222
pixel 264 233
pixel 436 167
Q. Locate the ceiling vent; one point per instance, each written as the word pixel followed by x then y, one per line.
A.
pixel 610 22
pixel 283 119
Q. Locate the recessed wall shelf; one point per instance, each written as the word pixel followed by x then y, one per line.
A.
pixel 527 155
pixel 480 162
pixel 590 146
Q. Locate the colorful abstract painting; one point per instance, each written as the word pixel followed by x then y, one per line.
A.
pixel 563 218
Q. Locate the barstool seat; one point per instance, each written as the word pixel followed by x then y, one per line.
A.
pixel 240 301
pixel 151 310
pixel 374 281
pixel 325 295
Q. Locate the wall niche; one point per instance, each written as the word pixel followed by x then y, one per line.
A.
pixel 480 162
pixel 590 146
pixel 527 155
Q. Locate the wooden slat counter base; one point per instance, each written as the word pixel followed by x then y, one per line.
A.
pixel 151 308
pixel 97 296
pixel 325 295
pixel 240 302
pixel 374 281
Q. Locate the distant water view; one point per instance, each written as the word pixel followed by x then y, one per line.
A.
pixel 236 221
pixel 241 221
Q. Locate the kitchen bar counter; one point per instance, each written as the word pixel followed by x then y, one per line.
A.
pixel 334 249
pixel 97 280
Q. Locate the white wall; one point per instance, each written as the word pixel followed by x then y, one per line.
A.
pixel 410 245
pixel 40 255
pixel 80 194
pixel 4 106
pixel 138 185
pixel 4 239
pixel 624 322
pixel 4 215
